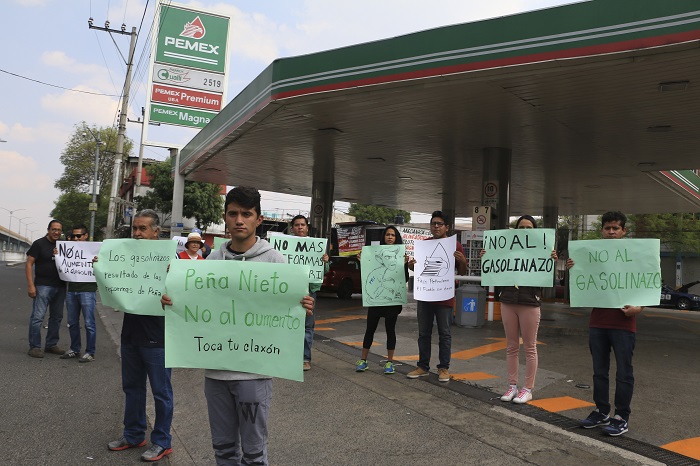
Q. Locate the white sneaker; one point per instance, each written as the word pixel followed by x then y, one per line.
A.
pixel 510 394
pixel 523 396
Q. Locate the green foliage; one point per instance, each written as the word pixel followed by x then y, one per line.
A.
pixel 202 201
pixel 71 208
pixel 377 214
pixel 78 159
pixel 679 232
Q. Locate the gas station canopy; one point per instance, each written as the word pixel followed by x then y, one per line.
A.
pixel 597 102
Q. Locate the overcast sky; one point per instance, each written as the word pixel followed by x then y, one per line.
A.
pixel 49 41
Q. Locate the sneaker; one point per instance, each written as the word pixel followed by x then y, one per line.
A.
pixel 595 419
pixel 70 355
pixel 443 375
pixel 155 453
pixel 122 444
pixel 510 394
pixel 389 368
pixel 524 395
pixel 418 372
pixel 617 426
pixel 87 357
pixel 361 365
pixel 36 353
pixel 54 350
pixel 307 366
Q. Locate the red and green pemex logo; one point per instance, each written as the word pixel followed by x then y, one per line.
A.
pixel 194 29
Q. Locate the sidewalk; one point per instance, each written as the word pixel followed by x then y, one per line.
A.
pixel 340 417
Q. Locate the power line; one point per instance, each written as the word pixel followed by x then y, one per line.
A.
pixel 55 85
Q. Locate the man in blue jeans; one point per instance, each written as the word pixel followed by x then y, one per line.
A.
pixel 612 329
pixel 300 227
pixel 143 356
pixel 46 289
pixel 439 311
pixel 81 296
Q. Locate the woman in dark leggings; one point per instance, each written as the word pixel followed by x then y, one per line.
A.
pixel 390 313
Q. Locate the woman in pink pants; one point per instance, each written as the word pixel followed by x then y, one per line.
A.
pixel 520 313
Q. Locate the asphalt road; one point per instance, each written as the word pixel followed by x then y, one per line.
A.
pixel 60 412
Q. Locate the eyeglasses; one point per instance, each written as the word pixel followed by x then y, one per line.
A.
pixel 437 224
pixel 80 235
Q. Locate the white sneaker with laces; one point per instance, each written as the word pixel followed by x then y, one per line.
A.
pixel 524 396
pixel 510 394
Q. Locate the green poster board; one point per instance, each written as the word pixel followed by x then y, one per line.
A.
pixel 614 273
pixel 236 315
pixel 383 275
pixel 518 257
pixel 130 274
pixel 302 251
pixel 218 241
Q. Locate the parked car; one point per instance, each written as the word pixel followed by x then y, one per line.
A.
pixel 680 298
pixel 343 277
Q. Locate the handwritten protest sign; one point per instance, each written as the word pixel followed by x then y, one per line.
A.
pixel 302 251
pixel 410 235
pixel 350 240
pixel 434 278
pixel 614 273
pixel 236 315
pixel 218 241
pixel 383 275
pixel 181 240
pixel 74 260
pixel 131 273
pixel 518 257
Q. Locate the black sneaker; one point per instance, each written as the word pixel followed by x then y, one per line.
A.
pixel 70 355
pixel 618 426
pixel 595 419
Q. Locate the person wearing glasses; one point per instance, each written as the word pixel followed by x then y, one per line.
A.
pixel 440 311
pixel 47 291
pixel 81 297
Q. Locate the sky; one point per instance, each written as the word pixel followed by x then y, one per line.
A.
pixel 55 73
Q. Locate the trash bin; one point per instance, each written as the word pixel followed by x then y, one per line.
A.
pixel 471 306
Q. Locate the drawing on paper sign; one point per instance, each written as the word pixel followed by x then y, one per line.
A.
pixel 378 286
pixel 437 264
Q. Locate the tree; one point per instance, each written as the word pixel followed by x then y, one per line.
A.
pixel 378 214
pixel 202 201
pixel 71 208
pixel 78 159
pixel 679 232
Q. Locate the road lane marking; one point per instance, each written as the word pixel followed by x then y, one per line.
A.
pixel 334 320
pixel 689 447
pixel 562 403
pixel 473 376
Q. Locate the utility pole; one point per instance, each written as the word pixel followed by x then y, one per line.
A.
pixel 116 177
pixel 93 204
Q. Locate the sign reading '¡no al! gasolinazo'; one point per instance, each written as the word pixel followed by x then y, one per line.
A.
pixel 192 38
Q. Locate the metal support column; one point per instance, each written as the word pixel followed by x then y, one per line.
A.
pixel 178 195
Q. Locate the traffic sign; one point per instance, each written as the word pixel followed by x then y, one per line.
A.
pixel 491 193
pixel 481 218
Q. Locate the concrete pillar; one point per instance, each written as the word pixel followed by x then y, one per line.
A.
pixel 496 185
pixel 178 195
pixel 323 183
pixel 550 216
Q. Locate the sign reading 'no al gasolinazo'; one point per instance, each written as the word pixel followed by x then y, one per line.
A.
pixel 186 97
pixel 192 38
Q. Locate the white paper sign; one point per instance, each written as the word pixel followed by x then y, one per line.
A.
pixel 74 260
pixel 434 278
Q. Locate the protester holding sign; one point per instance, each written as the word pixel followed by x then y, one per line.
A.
pixel 47 290
pixel 143 357
pixel 611 329
pixel 239 402
pixel 440 311
pixel 300 227
pixel 520 312
pixel 81 296
pixel 193 247
pixel 390 236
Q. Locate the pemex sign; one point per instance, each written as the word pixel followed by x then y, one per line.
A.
pixel 192 38
pixel 189 66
